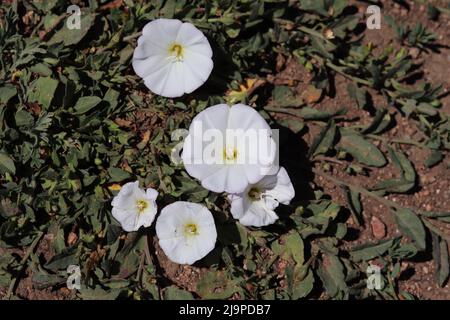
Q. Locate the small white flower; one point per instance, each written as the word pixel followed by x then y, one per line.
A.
pixel 172 57
pixel 186 232
pixel 228 148
pixel 255 206
pixel 133 207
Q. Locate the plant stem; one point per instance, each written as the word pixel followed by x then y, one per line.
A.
pixel 359 189
pixel 132 36
pixel 340 70
pixel 400 141
pixel 433 228
pixel 313 32
pixel 23 262
pixel 282 110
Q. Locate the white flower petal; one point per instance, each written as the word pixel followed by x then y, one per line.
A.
pixel 145 219
pixel 283 190
pixel 258 215
pixel 168 72
pixel 190 36
pixel 171 85
pixel 245 117
pixel 150 65
pixel 127 218
pixel 156 81
pixel 215 117
pixel 236 181
pixel 133 207
pixel 198 64
pixel 258 212
pixel 238 128
pixel 216 181
pixel 181 246
pixel 152 194
pixel 163 30
pixel 237 206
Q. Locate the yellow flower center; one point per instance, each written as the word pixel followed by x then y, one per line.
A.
pixel 254 194
pixel 230 154
pixel 191 229
pixel 176 50
pixel 141 205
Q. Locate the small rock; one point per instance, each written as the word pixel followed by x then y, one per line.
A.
pixel 414 53
pixel 72 238
pixel 378 228
pixel 404 265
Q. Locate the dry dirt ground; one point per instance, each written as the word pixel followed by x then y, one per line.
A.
pixel 432 195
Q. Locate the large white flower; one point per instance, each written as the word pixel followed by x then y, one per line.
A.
pixel 133 207
pixel 256 205
pixel 172 57
pixel 228 148
pixel 186 232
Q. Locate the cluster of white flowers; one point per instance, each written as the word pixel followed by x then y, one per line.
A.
pixel 186 231
pixel 174 58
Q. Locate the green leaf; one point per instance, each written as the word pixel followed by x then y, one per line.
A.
pixel 283 96
pixel 362 150
pixel 43 91
pixel 325 140
pixel 118 175
pixel 331 272
pixel 290 246
pixel 354 202
pixel 408 175
pixel 404 251
pixel 304 287
pixel 380 122
pixel 357 94
pixel 309 113
pixel 7 164
pixel 216 285
pixel 100 293
pixel 62 260
pixel 435 158
pixel 84 104
pixel 367 252
pixel 175 293
pixel 73 36
pixel 7 92
pixel 441 259
pixel 24 119
pixel 411 226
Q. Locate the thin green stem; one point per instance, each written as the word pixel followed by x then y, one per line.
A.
pixel 400 141
pixel 358 189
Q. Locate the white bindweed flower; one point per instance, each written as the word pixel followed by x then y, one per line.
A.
pixel 186 232
pixel 228 148
pixel 255 206
pixel 172 57
pixel 133 207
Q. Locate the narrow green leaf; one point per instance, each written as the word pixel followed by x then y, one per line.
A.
pixel 362 150
pixel 369 251
pixel 411 226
